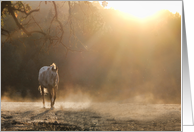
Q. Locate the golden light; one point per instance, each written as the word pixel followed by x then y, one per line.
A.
pixel 143 9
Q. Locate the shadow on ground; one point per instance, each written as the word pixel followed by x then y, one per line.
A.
pixel 88 120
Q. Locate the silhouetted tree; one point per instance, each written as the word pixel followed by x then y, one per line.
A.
pixel 53 33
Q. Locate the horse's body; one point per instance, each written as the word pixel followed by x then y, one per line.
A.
pixel 48 79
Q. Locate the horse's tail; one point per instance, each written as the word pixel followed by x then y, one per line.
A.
pixel 45 90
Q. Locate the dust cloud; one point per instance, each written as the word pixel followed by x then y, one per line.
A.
pixel 73 95
pixel 12 96
pixel 143 94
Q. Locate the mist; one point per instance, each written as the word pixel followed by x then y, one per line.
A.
pixel 127 61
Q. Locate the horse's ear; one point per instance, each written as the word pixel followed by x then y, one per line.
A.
pixel 53 69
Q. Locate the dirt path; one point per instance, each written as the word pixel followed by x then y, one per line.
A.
pixel 90 116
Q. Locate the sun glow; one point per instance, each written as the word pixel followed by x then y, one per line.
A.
pixel 143 9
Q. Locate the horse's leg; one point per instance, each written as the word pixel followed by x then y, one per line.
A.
pixel 55 90
pixel 42 88
pixel 53 96
pixel 50 93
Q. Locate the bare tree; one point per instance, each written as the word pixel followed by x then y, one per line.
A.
pixel 15 8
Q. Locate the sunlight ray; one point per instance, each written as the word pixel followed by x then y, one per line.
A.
pixel 143 9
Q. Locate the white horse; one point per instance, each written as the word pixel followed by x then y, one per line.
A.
pixel 48 80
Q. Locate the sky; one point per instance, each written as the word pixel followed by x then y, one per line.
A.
pixel 144 9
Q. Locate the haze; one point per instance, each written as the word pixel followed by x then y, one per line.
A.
pixel 119 59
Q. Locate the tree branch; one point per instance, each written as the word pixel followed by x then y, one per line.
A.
pixel 27 14
pixel 10 9
pixel 3 30
pixel 57 38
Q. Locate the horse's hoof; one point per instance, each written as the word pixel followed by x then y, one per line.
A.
pixel 52 108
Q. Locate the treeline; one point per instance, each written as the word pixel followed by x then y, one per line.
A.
pixel 121 58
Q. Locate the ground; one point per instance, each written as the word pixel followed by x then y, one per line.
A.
pixel 90 116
